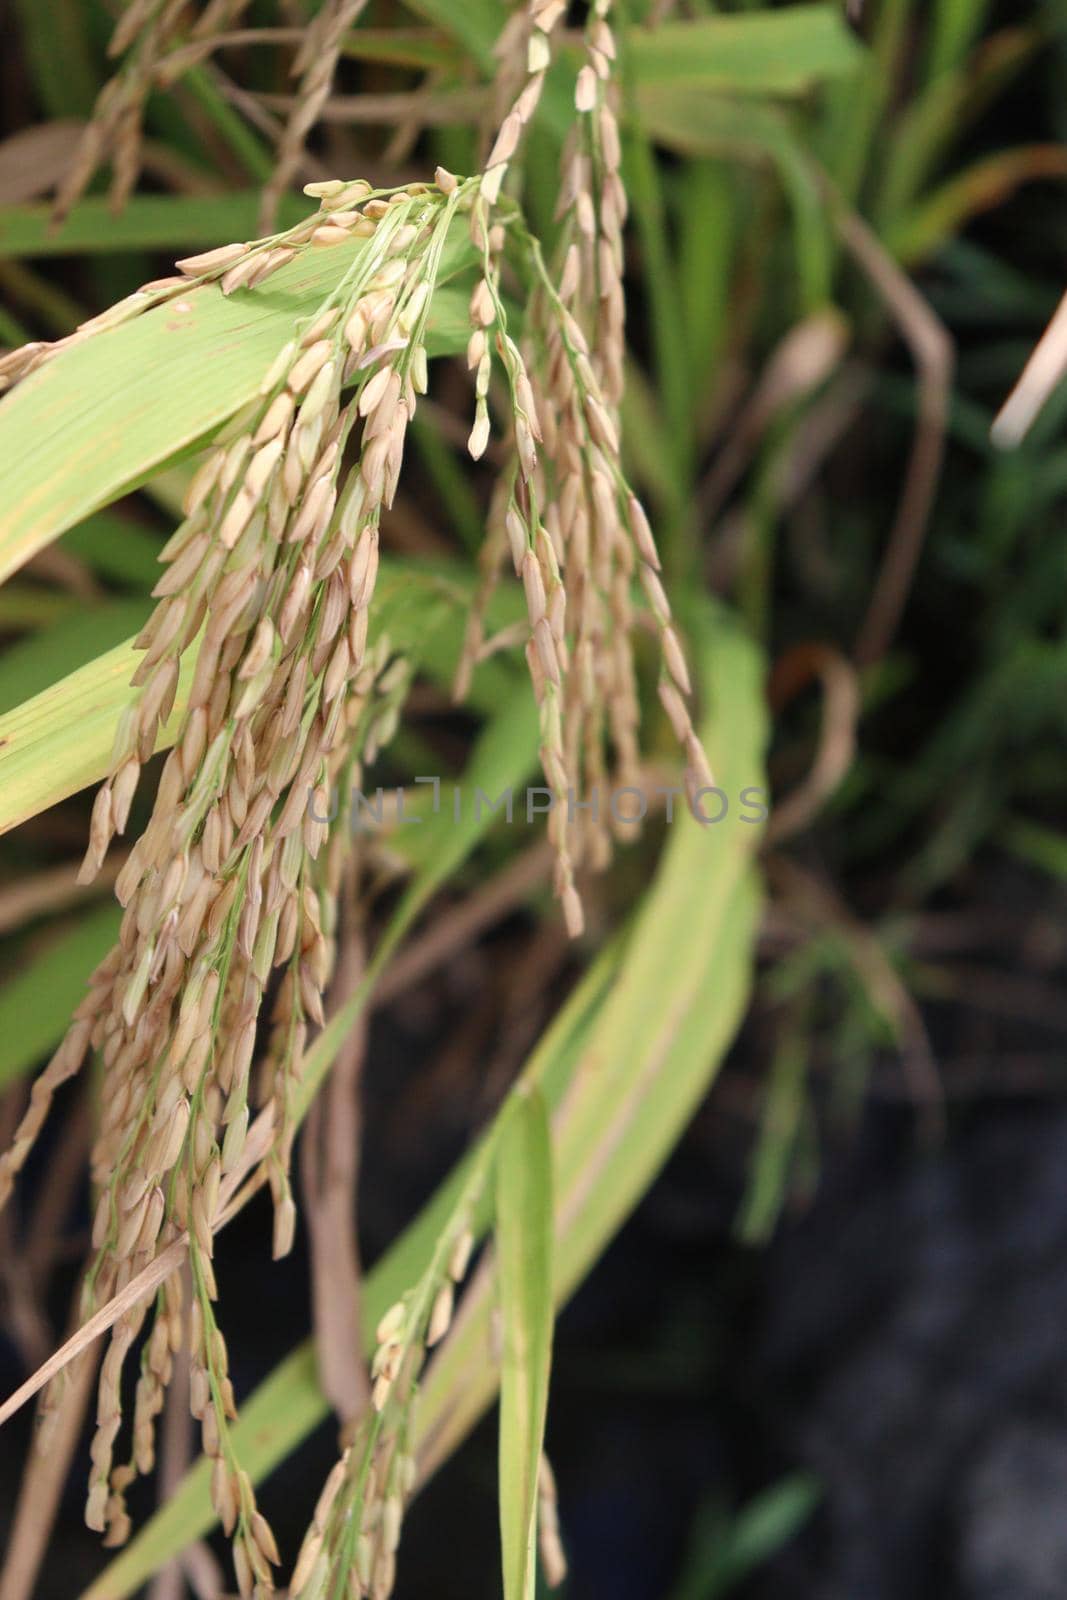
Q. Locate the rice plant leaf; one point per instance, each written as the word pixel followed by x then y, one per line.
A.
pixel 758 52
pixel 724 1550
pixel 115 546
pixel 938 117
pixel 953 29
pixel 780 1124
pixel 655 1043
pixel 781 52
pixel 523 1234
pixel 57 40
pixel 30 667
pixel 633 1104
pixel 28 605
pixel 255 156
pixel 36 1003
pixel 764 1526
pixel 404 47
pixel 695 123
pixel 1032 842
pixel 105 413
pixel 60 741
pixel 181 223
pixel 984 184
pixel 475 23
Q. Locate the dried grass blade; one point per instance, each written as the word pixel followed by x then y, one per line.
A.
pixel 330 1172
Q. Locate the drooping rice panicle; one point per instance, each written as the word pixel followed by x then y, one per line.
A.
pixel 350 1546
pixel 577 534
pixel 273 572
pixel 315 66
pixel 271 578
pixel 146 33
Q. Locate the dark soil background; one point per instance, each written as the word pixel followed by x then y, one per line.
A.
pixel 901 1343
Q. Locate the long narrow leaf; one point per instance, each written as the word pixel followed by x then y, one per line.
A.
pixel 696 123
pixel 35 1004
pixel 476 24
pixel 764 52
pixel 148 222
pixel 644 1067
pixel 30 667
pixel 524 1267
pixel 60 741
pixel 104 414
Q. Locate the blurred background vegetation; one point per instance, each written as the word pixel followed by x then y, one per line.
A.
pixel 847 235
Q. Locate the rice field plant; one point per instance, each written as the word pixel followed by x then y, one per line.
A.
pixel 417 423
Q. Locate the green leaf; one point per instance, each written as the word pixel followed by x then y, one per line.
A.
pixel 694 123
pixel 181 223
pixel 655 1042
pixel 60 741
pixel 405 47
pixel 724 1551
pixel 1033 842
pixel 622 1078
pixel 760 52
pixel 781 52
pixel 707 223
pixel 31 666
pixel 954 26
pixel 768 1523
pixel 475 23
pixel 105 413
pixel 256 157
pixel 35 1004
pixel 783 1109
pixel 524 1267
pixel 977 188
pixel 31 605
pixel 117 547
pixel 55 38
pixel 931 124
